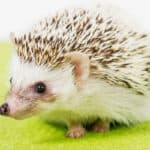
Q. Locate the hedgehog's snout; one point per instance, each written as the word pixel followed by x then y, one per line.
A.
pixel 4 109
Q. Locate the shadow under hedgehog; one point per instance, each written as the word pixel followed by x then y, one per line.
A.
pixel 81 66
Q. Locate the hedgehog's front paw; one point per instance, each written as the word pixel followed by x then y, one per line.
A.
pixel 101 126
pixel 75 131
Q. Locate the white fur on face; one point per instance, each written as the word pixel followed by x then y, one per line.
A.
pixel 25 74
pixel 23 99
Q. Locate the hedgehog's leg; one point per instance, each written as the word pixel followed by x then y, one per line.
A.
pixel 81 65
pixel 101 126
pixel 75 130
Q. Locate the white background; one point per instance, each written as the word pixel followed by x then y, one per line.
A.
pixel 17 15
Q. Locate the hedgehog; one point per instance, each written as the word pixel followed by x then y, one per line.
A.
pixel 81 67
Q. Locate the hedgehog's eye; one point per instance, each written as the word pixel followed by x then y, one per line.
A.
pixel 10 80
pixel 40 88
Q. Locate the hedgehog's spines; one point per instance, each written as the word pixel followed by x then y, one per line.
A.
pixel 113 48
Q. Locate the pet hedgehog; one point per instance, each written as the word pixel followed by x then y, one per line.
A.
pixel 81 66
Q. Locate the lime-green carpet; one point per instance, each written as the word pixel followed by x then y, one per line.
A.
pixel 35 134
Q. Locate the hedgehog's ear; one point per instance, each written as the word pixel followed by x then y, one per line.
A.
pixel 81 65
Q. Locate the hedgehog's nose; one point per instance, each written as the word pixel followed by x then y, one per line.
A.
pixel 4 109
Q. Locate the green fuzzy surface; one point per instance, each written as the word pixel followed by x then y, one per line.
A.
pixel 35 134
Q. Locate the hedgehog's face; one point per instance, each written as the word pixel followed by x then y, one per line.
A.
pixel 24 101
pixel 32 86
